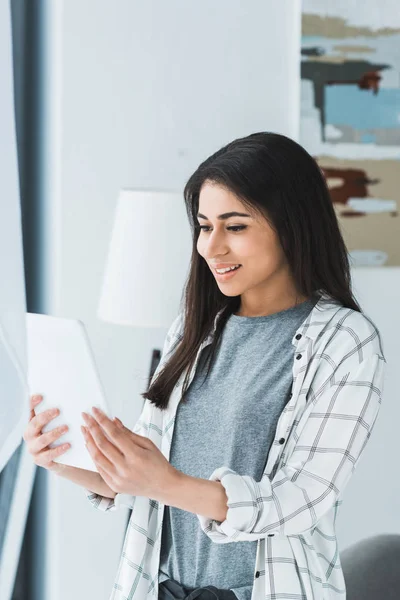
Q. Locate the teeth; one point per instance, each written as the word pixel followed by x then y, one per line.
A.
pixel 227 269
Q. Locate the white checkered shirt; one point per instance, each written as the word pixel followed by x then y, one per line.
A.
pixel 338 374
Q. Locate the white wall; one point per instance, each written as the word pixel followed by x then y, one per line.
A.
pixel 138 94
pixel 141 93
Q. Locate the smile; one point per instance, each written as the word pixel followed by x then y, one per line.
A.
pixel 227 275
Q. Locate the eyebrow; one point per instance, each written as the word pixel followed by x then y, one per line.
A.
pixel 225 215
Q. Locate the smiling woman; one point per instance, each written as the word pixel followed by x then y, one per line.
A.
pixel 262 202
pixel 269 272
pixel 243 406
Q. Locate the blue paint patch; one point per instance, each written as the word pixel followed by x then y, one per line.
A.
pixel 362 109
pixel 368 138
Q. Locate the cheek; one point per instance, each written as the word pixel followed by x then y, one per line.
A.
pixel 260 256
pixel 270 264
pixel 248 248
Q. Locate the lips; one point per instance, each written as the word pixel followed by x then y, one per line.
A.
pixel 228 275
pixel 224 265
pixel 235 268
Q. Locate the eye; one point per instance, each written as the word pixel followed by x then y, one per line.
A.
pixel 234 228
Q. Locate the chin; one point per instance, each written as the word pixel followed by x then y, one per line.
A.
pixel 230 291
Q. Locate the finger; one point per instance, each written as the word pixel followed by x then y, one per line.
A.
pixel 34 400
pixel 36 422
pixel 141 440
pixel 119 423
pixel 98 455
pixel 49 455
pixel 114 430
pixel 39 421
pixel 116 434
pixel 47 438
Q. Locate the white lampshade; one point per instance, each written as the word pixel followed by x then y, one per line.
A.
pixel 148 259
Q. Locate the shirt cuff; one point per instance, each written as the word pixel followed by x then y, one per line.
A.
pixel 123 500
pixel 242 510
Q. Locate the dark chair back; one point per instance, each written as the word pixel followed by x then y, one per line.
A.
pixel 371 568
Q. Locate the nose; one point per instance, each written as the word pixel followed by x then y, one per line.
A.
pixel 214 246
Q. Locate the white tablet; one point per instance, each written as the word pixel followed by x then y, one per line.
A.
pixel 61 367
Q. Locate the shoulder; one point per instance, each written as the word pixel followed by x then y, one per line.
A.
pixel 353 337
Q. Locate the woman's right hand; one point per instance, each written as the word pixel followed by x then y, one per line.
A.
pixel 38 442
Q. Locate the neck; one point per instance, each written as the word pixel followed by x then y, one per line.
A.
pixel 270 308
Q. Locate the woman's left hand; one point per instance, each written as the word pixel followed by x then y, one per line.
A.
pixel 129 463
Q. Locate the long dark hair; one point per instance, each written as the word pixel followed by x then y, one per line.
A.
pixel 275 176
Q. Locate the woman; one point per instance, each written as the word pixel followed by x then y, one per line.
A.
pixel 268 388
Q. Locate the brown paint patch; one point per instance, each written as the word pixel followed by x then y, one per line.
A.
pixel 349 183
pixel 354 48
pixel 380 231
pixel 337 27
pixel 368 81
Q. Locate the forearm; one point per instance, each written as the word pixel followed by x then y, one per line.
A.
pixel 88 479
pixel 195 495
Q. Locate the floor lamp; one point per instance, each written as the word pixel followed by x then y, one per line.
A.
pixel 147 263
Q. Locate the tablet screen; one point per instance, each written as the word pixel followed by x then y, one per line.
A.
pixel 61 367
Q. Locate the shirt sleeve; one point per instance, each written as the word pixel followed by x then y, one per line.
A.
pixel 141 427
pixel 305 488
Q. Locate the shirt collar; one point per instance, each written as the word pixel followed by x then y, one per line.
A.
pixel 320 315
pixel 323 311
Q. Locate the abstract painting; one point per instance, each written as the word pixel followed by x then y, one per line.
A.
pixel 350 118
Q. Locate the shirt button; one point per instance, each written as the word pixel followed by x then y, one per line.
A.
pixel 258 574
pixel 298 356
pixel 282 441
pixel 298 336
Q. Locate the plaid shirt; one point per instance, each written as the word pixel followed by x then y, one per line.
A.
pixel 338 374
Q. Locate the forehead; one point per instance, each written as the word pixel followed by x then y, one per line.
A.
pixel 214 198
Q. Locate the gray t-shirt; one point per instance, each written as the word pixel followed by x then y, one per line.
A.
pixel 229 421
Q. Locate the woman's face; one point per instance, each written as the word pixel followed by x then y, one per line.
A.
pixel 246 240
